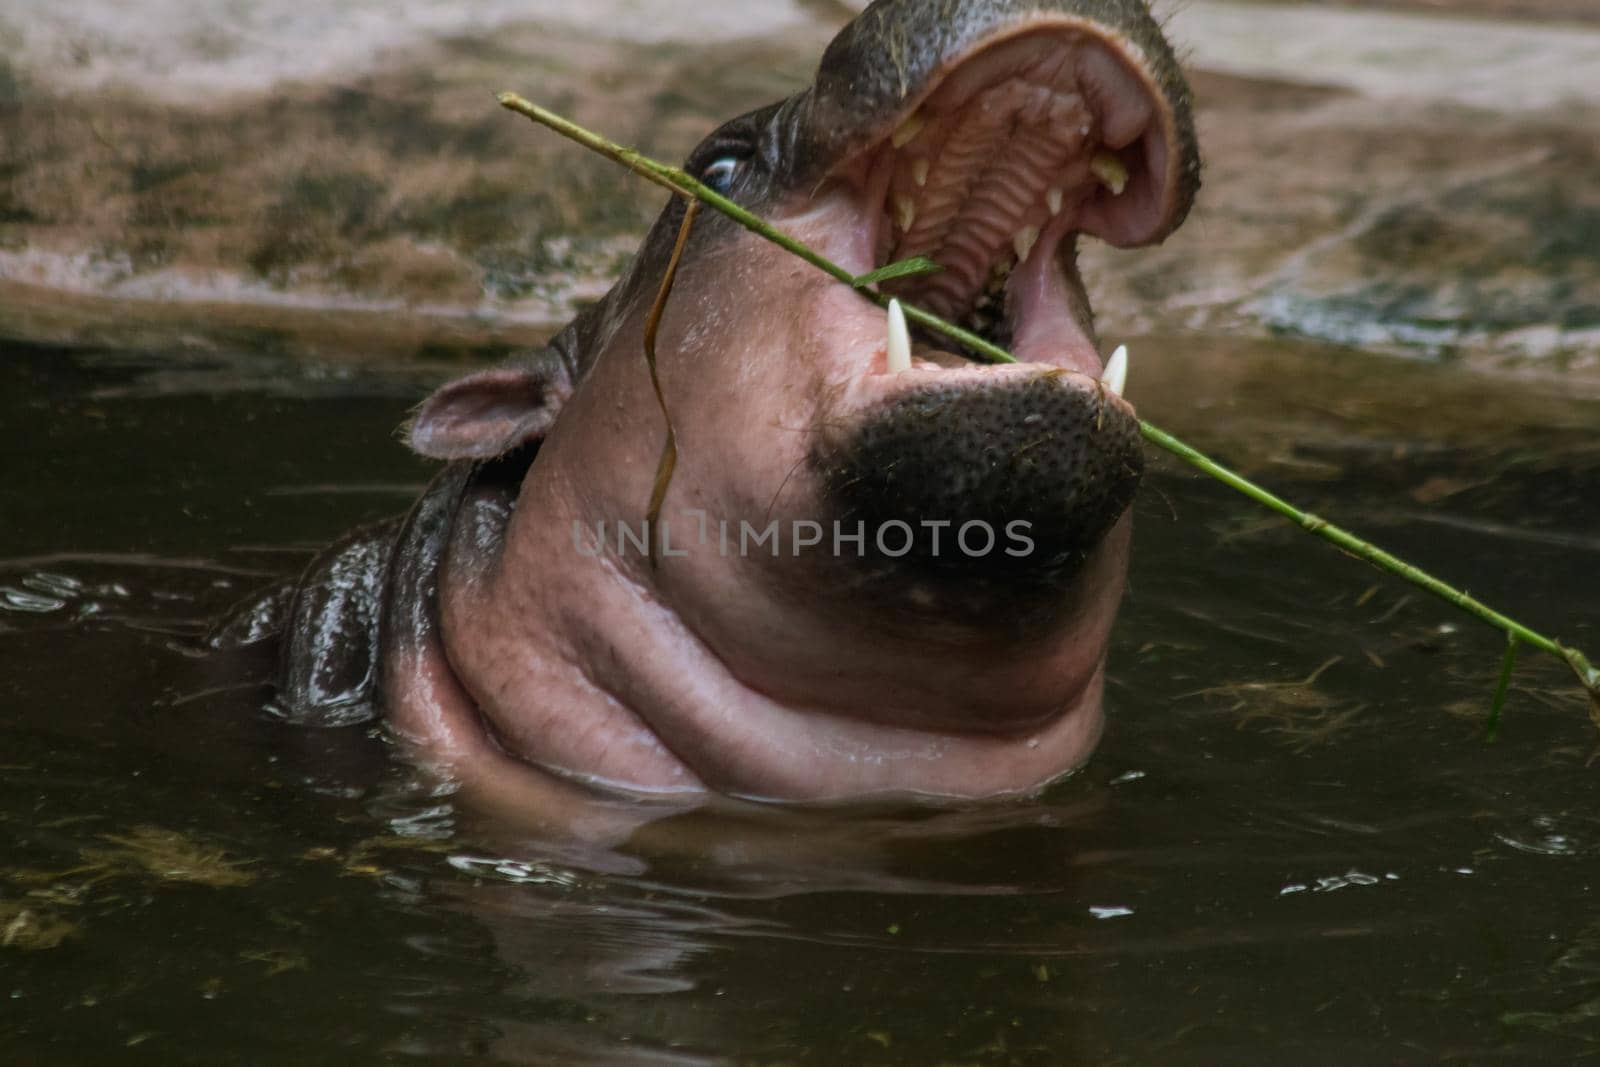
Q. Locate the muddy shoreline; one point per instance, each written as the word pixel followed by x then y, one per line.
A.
pixel 1579 11
pixel 392 211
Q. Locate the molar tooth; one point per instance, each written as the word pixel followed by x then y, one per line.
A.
pixel 908 130
pixel 1111 171
pixel 999 274
pixel 899 339
pixel 905 209
pixel 1024 241
pixel 919 172
pixel 1053 198
pixel 1116 375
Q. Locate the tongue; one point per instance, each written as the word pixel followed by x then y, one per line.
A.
pixel 1048 309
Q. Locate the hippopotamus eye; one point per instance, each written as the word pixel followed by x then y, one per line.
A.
pixel 721 174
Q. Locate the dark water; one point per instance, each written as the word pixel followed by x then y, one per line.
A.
pixel 1294 845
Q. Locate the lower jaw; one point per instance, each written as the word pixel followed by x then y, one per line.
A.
pixel 929 765
pixel 808 754
pixel 1021 714
pixel 803 755
pixel 1037 466
pixel 1045 321
pixel 1049 321
pixel 719 733
pixel 917 702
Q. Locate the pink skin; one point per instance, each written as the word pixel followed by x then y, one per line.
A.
pixel 763 695
pixel 755 677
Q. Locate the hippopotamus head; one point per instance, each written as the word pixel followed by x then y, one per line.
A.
pixel 868 578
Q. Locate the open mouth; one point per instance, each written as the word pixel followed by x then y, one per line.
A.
pixel 1010 154
pixel 1051 129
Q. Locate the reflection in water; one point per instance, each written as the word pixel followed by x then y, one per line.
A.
pixel 1293 837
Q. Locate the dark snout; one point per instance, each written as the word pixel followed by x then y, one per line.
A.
pixel 1048 463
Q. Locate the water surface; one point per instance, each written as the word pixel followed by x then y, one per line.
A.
pixel 1294 843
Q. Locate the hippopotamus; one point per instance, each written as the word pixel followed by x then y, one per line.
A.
pixel 881 568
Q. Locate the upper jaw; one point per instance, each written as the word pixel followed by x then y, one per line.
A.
pixel 1036 134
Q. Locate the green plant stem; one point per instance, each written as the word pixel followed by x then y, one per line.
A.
pixel 652 328
pixel 1502 690
pixel 1353 544
pixel 678 181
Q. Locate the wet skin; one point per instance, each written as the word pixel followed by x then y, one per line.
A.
pixel 509 652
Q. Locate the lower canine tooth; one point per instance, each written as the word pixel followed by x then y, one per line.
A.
pixel 1026 238
pixel 899 339
pixel 1111 171
pixel 919 172
pixel 1116 375
pixel 1053 198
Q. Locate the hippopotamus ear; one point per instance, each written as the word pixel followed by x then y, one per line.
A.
pixel 488 414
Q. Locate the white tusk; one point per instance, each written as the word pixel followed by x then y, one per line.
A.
pixel 899 339
pixel 1116 375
